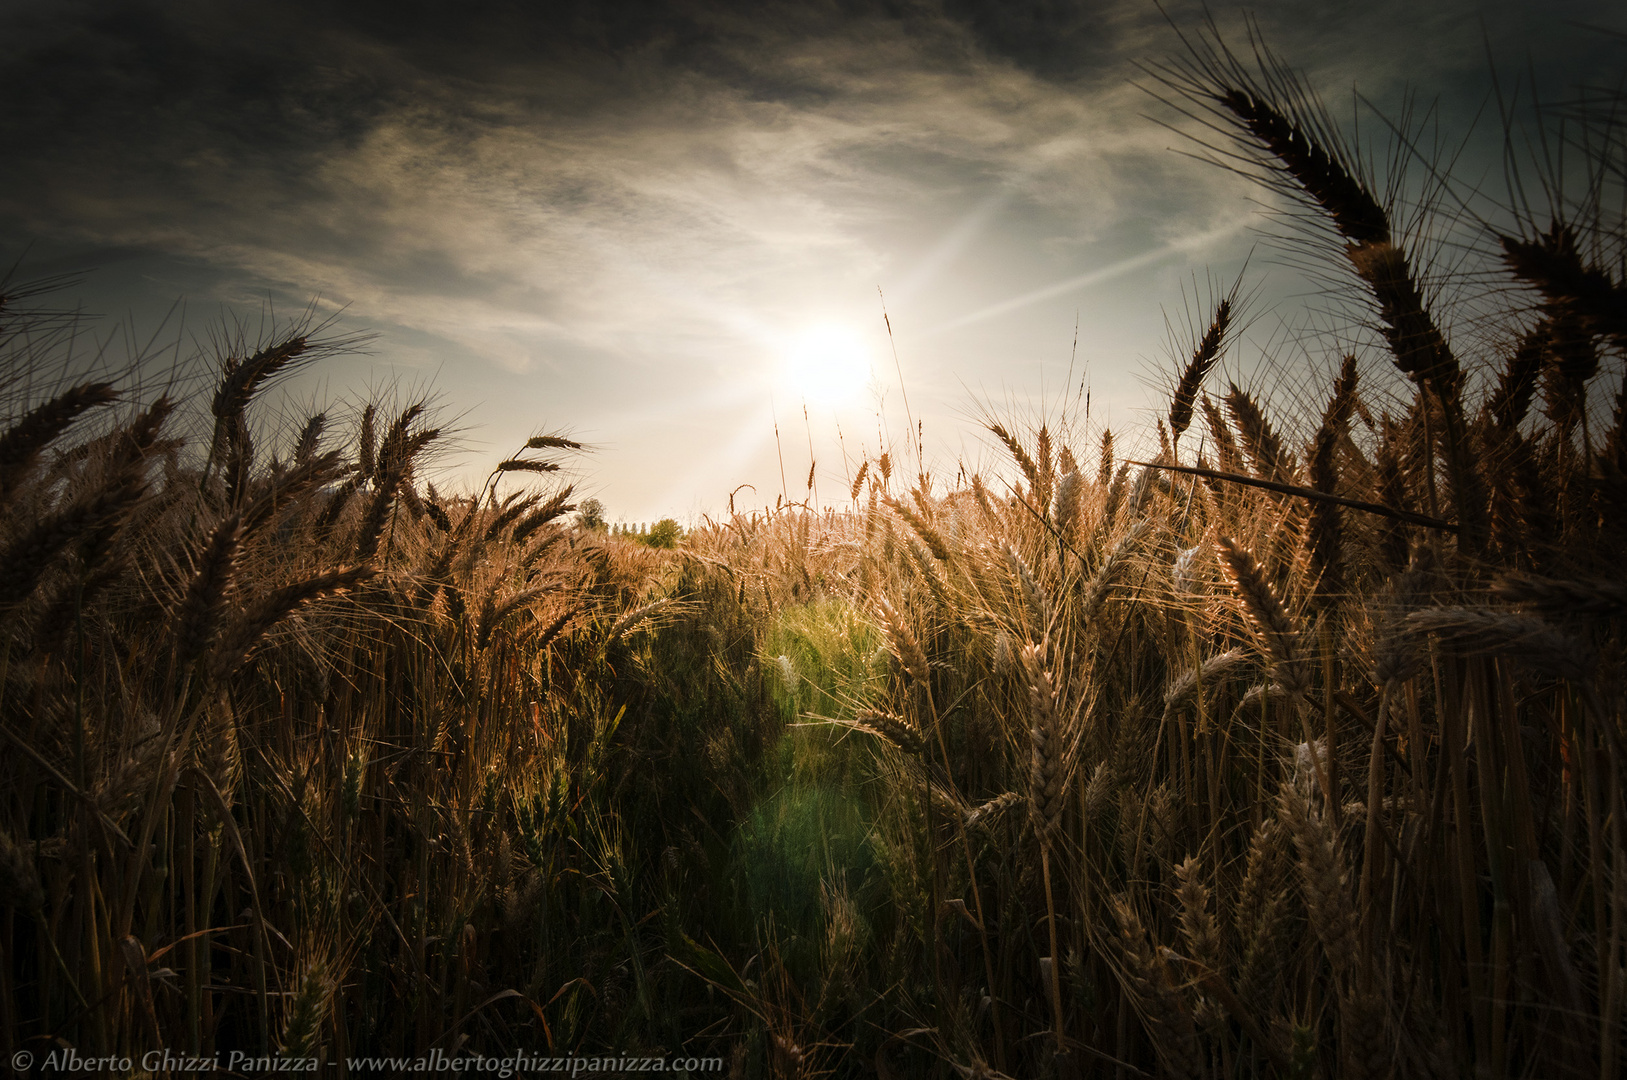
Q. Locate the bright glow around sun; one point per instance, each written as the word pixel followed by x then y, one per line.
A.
pixel 829 364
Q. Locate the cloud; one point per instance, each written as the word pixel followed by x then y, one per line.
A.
pixel 645 196
pixel 429 199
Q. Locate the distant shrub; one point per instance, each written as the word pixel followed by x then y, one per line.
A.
pixel 590 515
pixel 664 534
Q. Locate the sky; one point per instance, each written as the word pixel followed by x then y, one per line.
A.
pixel 672 230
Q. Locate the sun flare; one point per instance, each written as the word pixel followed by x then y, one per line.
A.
pixel 828 364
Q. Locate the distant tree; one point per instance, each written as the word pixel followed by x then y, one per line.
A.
pixel 664 534
pixel 590 515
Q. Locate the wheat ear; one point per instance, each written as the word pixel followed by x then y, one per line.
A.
pixel 1024 462
pixel 931 537
pixel 307 1012
pixel 1204 358
pixel 1199 929
pixel 237 643
pixel 1291 667
pixel 22 443
pixel 894 729
pixel 25 560
pixel 1592 597
pixel 207 594
pixel 1147 980
pixel 1487 631
pixel 904 644
pixel 1553 264
pixel 1271 460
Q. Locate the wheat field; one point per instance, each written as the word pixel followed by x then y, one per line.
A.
pixel 1292 746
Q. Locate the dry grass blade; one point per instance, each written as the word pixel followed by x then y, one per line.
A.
pixel 1308 493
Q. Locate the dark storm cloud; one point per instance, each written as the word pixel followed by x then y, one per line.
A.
pixel 259 82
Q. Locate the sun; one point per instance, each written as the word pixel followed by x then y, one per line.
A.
pixel 828 364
